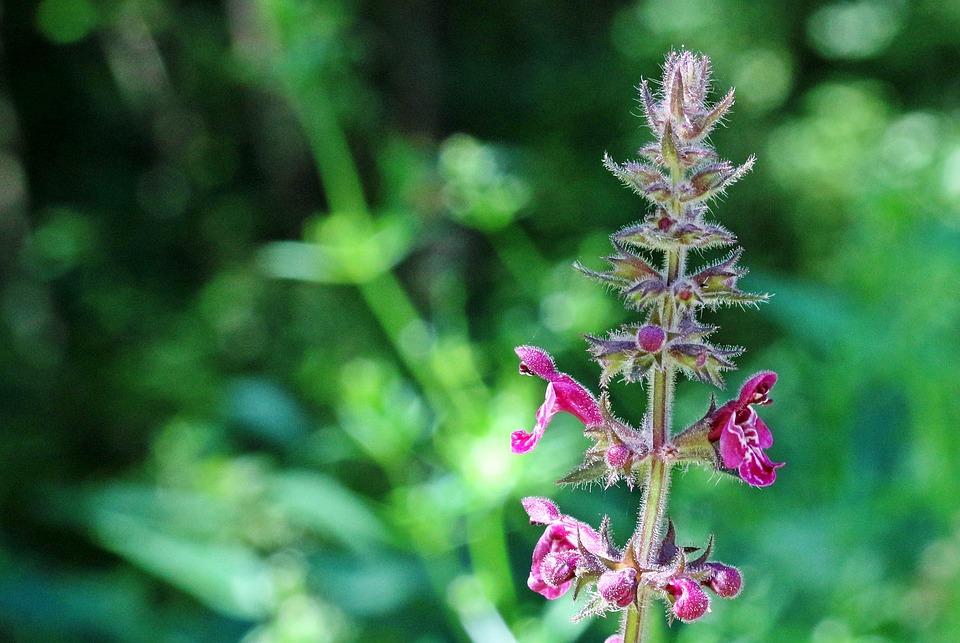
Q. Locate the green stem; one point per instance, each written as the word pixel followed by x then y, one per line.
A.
pixel 490 558
pixel 385 296
pixel 657 483
pixel 654 505
pixel 340 178
pixel 636 619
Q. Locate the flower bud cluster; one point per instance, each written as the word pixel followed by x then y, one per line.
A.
pixel 572 554
pixel 678 173
pixel 682 581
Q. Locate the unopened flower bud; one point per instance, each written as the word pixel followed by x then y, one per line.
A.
pixel 616 638
pixel 725 581
pixel 690 602
pixel 617 456
pixel 559 567
pixel 651 338
pixel 618 587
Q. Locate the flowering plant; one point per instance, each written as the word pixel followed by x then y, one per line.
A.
pixel 678 173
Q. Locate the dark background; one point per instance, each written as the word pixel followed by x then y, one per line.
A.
pixel 263 264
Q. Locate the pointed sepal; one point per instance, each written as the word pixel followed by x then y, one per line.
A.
pixel 595 606
pixel 663 232
pixel 594 469
pixel 628 269
pixel 676 97
pixel 703 558
pixel 703 361
pixel 717 284
pixel 646 181
pixel 693 443
pixel 621 354
pixel 668 150
pixel 713 180
pixel 654 119
pixel 610 551
pixel 708 121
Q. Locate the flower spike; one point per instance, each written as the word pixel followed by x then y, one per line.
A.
pixel 652 270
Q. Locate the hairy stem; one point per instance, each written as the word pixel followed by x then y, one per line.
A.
pixel 653 504
pixel 657 483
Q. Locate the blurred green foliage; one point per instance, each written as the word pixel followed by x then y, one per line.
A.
pixel 264 264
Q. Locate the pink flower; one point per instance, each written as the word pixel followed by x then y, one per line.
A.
pixel 690 602
pixel 742 434
pixel 557 554
pixel 563 394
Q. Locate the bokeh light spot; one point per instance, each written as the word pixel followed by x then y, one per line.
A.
pixel 66 21
pixel 951 174
pixel 911 140
pixel 853 30
pixel 666 16
pixel 763 78
pixel 477 190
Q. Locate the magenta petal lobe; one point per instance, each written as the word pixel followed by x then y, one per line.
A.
pixel 541 510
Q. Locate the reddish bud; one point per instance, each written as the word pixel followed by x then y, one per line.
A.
pixel 617 456
pixel 618 587
pixel 651 338
pixel 724 581
pixel 558 568
pixel 690 602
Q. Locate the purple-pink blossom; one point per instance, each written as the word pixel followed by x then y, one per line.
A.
pixel 557 553
pixel 743 435
pixel 563 394
pixel 690 602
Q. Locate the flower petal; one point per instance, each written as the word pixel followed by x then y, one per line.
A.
pixel 521 441
pixel 557 537
pixel 578 401
pixel 757 470
pixel 542 511
pixel 733 443
pixel 743 436
pixel 536 361
pixel 563 394
pixel 764 437
pixel 755 389
pixel 587 536
pixel 537 584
